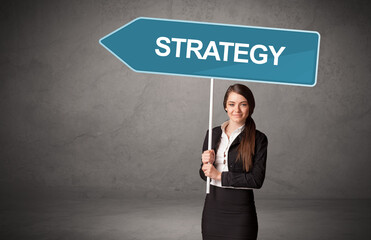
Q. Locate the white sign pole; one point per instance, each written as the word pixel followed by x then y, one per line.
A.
pixel 210 126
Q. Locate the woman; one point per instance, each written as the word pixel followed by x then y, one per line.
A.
pixel 237 167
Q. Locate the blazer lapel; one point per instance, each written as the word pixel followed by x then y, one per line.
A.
pixel 217 133
pixel 237 140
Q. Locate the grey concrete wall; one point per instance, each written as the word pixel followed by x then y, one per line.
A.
pixel 75 119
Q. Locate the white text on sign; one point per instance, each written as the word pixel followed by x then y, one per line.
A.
pixel 195 46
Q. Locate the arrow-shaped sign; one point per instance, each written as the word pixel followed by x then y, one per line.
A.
pixel 217 50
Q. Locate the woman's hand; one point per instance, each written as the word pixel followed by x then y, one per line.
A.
pixel 208 156
pixel 211 172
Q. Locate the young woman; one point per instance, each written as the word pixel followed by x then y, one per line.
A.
pixel 236 165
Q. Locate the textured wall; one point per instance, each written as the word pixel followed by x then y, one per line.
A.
pixel 74 118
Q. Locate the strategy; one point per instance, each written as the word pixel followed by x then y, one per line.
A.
pixel 258 53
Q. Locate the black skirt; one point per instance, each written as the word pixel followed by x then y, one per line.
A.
pixel 229 214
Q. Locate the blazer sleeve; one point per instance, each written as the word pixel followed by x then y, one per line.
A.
pixel 255 177
pixel 204 148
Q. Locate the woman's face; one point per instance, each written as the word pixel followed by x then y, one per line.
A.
pixel 237 108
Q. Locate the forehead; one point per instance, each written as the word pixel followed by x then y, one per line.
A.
pixel 235 97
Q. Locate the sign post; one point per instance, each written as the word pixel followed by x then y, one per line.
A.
pixel 211 50
pixel 209 146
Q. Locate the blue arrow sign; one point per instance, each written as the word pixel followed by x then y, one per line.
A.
pixel 198 49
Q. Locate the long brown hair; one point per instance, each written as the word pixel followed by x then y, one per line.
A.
pixel 246 150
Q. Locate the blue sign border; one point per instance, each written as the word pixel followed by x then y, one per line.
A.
pixel 223 24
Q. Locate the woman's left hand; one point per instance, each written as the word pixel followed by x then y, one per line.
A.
pixel 211 172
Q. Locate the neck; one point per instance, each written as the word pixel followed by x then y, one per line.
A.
pixel 233 126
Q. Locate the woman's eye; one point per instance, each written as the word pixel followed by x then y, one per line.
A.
pixel 231 104
pixel 244 104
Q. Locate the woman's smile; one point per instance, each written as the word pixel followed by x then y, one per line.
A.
pixel 237 108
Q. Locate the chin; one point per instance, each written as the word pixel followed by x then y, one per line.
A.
pixel 238 121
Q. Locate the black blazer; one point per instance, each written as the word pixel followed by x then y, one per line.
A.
pixel 236 176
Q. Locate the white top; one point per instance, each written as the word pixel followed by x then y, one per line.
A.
pixel 221 158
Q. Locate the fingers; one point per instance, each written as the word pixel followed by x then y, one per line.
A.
pixel 209 170
pixel 211 152
pixel 208 156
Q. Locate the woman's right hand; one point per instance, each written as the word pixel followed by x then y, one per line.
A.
pixel 208 156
